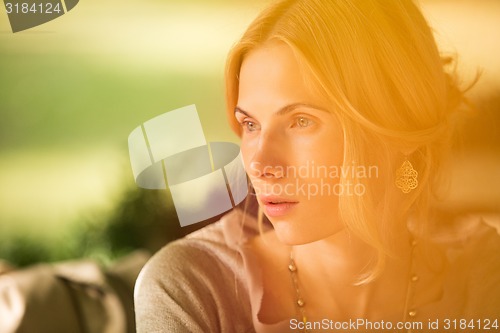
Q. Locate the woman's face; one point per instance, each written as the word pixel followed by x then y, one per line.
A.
pixel 292 144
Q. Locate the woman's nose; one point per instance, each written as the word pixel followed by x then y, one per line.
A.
pixel 268 160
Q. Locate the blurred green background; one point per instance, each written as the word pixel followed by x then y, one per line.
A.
pixel 71 91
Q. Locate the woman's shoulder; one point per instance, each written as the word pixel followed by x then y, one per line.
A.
pixel 473 246
pixel 481 248
pixel 196 280
pixel 482 252
pixel 214 245
pixel 470 233
pixel 474 238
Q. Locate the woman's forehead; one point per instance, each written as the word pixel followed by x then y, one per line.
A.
pixel 271 74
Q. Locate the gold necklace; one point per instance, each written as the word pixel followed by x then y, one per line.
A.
pixel 409 311
pixel 299 302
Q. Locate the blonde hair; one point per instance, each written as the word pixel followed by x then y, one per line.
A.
pixel 376 62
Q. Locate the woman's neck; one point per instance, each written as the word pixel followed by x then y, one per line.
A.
pixel 345 256
pixel 329 272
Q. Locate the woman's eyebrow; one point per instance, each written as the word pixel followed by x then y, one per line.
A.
pixel 238 109
pixel 284 110
pixel 291 107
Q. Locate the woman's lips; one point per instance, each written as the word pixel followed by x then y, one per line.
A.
pixel 275 207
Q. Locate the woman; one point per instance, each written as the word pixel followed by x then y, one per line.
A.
pixel 345 113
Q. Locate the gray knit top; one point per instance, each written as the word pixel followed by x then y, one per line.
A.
pixel 209 281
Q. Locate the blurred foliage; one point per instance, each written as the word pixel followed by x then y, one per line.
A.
pixel 22 250
pixel 142 219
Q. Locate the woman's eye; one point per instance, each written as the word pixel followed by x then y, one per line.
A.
pixel 250 126
pixel 303 122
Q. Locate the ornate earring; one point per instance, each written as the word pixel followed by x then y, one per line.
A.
pixel 406 177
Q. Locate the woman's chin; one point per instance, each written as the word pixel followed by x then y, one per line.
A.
pixel 290 233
